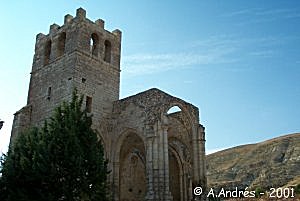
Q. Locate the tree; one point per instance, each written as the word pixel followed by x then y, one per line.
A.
pixel 64 160
pixel 297 189
pixel 1 124
pixel 259 192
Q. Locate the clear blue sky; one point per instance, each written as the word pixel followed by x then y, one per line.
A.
pixel 238 61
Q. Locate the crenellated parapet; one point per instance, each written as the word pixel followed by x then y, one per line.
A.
pixel 78 34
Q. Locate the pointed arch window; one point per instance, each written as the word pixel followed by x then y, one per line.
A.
pixel 94 44
pixel 174 109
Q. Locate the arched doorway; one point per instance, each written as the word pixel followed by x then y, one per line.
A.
pixel 132 183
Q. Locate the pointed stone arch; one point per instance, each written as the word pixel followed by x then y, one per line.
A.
pixel 180 175
pixel 189 120
pixel 184 117
pixel 175 166
pixel 130 166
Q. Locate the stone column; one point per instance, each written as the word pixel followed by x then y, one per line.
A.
pixel 161 163
pixel 190 191
pixel 185 187
pixel 155 157
pixel 199 179
pixel 158 164
pixel 203 181
pixel 116 181
pixel 195 145
pixel 149 164
pixel 198 162
pixel 167 193
pixel 181 180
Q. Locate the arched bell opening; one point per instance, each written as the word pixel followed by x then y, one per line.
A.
pixel 182 115
pixel 94 44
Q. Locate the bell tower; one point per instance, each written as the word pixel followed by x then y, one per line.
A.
pixel 79 54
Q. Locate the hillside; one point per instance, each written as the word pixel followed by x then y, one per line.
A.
pixel 272 163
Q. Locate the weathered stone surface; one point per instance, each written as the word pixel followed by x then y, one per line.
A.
pixel 152 155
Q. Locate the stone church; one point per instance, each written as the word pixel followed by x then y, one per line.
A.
pixel 153 154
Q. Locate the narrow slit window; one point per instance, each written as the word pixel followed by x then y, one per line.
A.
pixel 88 104
pixel 49 93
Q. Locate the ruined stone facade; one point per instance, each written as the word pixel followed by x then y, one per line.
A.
pixel 153 155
